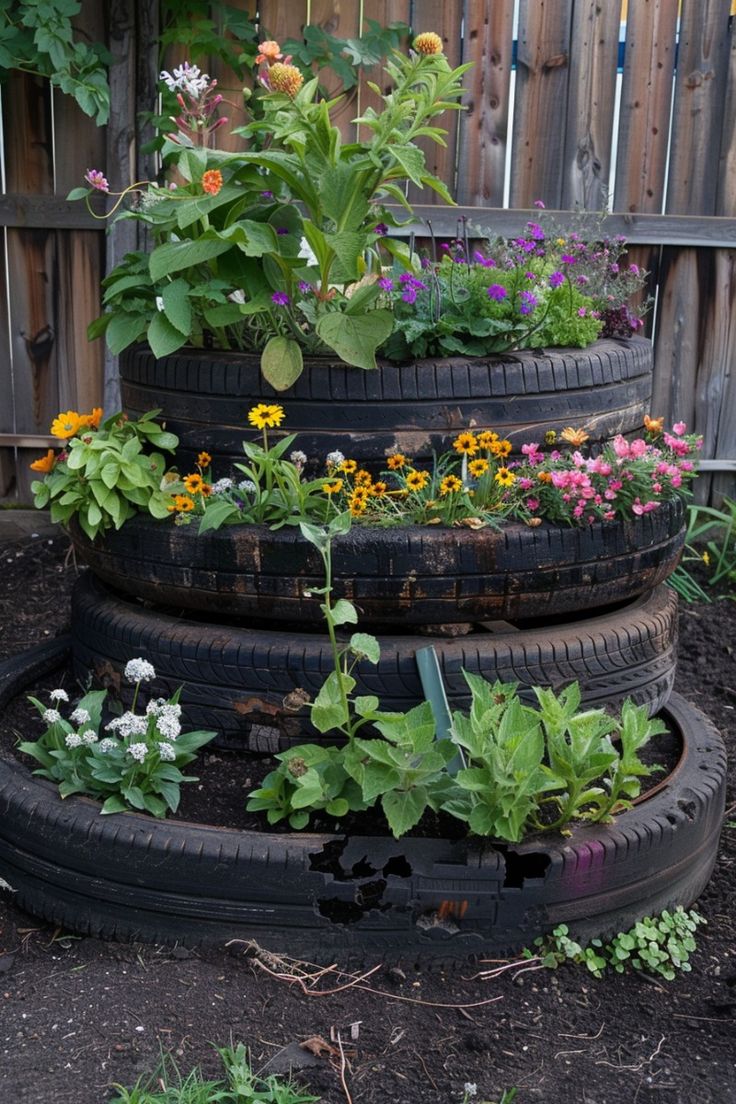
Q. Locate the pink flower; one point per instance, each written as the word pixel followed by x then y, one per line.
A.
pixel 525 483
pixel 679 428
pixel 97 180
pixel 638 448
pixel 532 504
pixel 532 453
pixel 621 447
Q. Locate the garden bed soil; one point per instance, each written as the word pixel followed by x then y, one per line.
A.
pixel 77 1014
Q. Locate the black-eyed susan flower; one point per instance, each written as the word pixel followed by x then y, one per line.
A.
pixel 487 438
pixel 450 485
pixel 363 478
pixel 379 488
pixel 466 443
pixel 396 461
pixel 194 483
pixel 349 466
pixel 502 448
pixel 357 505
pixel 416 480
pixel 332 488
pixel 182 504
pixel 477 468
pixel 505 477
pixel 266 415
pixel 204 460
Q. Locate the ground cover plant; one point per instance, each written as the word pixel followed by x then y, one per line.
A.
pixel 554 1034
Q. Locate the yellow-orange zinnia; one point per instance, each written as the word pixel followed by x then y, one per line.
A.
pixel 269 51
pixel 574 437
pixel 44 463
pixel 66 425
pixel 428 43
pixel 285 78
pixel 266 415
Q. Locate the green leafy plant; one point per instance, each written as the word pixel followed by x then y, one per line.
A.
pixel 240 1085
pixel 39 38
pixel 137 766
pixel 105 472
pixel 659 945
pixel 524 767
pixel 270 249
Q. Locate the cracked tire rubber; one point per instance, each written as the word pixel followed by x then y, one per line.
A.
pixel 410 575
pixel 132 877
pixel 235 678
pixel 204 397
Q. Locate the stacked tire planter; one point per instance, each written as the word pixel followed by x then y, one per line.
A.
pixel 231 616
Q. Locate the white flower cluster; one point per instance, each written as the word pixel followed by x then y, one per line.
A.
pixel 73 741
pixel 139 670
pixel 89 737
pixel 167 752
pixel 128 724
pixel 168 726
pixel 107 745
pixel 51 716
pixel 247 485
pixel 334 459
pixel 138 751
pixel 221 485
pixel 298 459
pixel 79 716
pixel 187 78
pixel 59 695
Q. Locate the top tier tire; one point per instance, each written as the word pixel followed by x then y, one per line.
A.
pixel 204 397
pixel 414 575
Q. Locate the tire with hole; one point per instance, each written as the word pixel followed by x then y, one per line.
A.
pixel 404 576
pixel 132 877
pixel 235 678
pixel 204 396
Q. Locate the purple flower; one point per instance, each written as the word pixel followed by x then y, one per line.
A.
pixel 556 279
pixel 410 295
pixel 567 258
pixel 497 292
pixel 386 284
pixel 381 229
pixel 97 180
pixel 304 287
pixel 528 302
pixel 280 298
pixel 581 280
pixel 266 195
pixel 535 231
pixel 444 247
pixel 538 203
pixel 281 230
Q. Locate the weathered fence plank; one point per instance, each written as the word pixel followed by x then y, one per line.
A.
pixel 726 192
pixel 484 127
pixel 542 77
pixel 590 104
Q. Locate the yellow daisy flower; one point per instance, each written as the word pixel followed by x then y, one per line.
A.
pixel 332 488
pixel 417 480
pixel 194 483
pixel 363 478
pixel 396 460
pixel 349 466
pixel 266 415
pixel 478 468
pixel 504 477
pixel 487 439
pixel 204 460
pixel 466 443
pixel 66 425
pixel 450 485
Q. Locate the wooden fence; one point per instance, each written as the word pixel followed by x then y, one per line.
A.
pixel 560 107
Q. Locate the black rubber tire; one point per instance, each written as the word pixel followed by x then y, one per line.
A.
pixel 131 877
pixel 236 678
pixel 204 397
pixel 407 576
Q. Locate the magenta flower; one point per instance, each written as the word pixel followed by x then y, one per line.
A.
pixel 381 229
pixel 528 302
pixel 497 292
pixel 97 180
pixel 556 279
pixel 679 428
pixel 280 298
pixel 386 283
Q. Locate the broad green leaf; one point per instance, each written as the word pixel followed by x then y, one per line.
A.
pixel 123 329
pixel 404 809
pixel 355 338
pixel 177 307
pixel 363 644
pixel 162 336
pixel 344 613
pixel 281 362
pixel 175 256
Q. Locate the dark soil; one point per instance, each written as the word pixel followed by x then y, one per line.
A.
pixel 77 1014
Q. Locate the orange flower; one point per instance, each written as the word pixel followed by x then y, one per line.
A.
pixel 379 489
pixel 269 51
pixel 417 480
pixel 363 478
pixel 206 490
pixel 544 477
pixel 194 483
pixel 574 437
pixel 653 425
pixel 358 505
pixel 396 461
pixel 91 420
pixel 502 448
pixel 285 78
pixel 428 43
pixel 487 439
pixel 204 460
pixel 66 425
pixel 182 504
pixel 212 181
pixel 44 463
pixel 348 466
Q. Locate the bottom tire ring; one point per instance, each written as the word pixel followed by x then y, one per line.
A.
pixel 132 877
pixel 235 678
